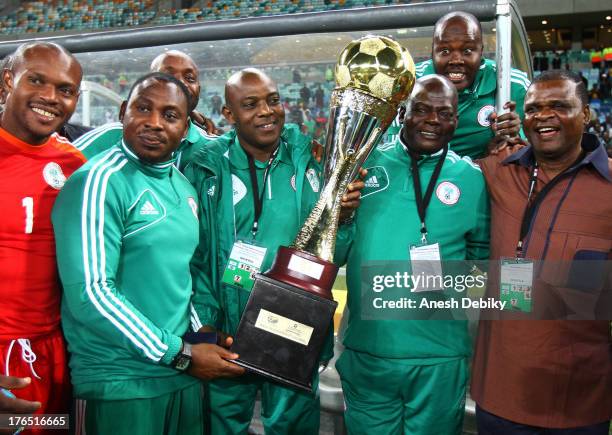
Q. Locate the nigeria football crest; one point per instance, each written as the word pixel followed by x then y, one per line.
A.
pixel 448 193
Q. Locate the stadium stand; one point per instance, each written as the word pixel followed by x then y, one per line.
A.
pixel 70 15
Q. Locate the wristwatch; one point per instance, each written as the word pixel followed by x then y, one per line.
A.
pixel 182 361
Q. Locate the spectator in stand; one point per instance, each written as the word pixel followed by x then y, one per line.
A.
pixel 216 102
pixel 536 61
pixel 297 78
pixel 305 94
pixel 605 84
pixel 309 123
pixel 584 80
pixel 556 62
pixel 319 97
pixel 296 115
pixel 607 57
pixel 123 83
pixel 596 58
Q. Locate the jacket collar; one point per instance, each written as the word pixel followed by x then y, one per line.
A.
pixel 595 155
pixel 423 158
pixel 157 170
pixel 193 135
pixel 238 157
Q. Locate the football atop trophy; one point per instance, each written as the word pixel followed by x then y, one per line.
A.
pixel 376 65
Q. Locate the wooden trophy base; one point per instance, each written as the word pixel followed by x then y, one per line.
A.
pixel 287 318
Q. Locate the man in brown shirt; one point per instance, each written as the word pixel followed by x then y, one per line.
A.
pixel 548 376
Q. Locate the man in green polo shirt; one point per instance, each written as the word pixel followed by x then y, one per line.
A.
pixel 183 68
pixel 404 376
pixel 256 185
pixel 457 55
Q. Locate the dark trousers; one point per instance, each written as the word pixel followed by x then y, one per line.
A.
pixel 490 424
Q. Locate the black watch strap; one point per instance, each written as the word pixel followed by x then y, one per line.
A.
pixel 182 360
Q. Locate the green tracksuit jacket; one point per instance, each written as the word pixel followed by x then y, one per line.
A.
pixel 476 104
pixel 125 234
pixel 387 223
pixel 221 178
pixel 102 138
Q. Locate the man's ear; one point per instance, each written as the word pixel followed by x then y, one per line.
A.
pixel 402 114
pixel 7 80
pixel 122 110
pixel 227 113
pixel 586 110
pixel 186 127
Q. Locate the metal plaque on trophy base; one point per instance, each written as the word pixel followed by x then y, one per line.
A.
pixel 290 308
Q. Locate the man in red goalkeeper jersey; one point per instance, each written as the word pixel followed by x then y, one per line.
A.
pixel 41 88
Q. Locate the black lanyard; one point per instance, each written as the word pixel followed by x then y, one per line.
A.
pixel 257 198
pixel 423 201
pixel 531 206
pixel 528 212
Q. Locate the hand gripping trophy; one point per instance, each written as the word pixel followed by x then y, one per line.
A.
pixel 290 308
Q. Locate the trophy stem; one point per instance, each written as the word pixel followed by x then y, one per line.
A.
pixel 318 234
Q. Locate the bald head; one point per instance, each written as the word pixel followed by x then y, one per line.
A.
pixel 435 84
pixel 247 75
pixel 170 57
pixel 62 57
pixel 183 68
pixel 462 19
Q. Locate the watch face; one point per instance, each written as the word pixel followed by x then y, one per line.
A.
pixel 182 362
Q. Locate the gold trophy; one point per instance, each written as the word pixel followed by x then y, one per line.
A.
pixel 290 308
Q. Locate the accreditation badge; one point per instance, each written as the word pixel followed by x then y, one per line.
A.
pixel 516 284
pixel 244 262
pixel 426 267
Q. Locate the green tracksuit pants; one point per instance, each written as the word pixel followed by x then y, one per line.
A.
pixel 284 410
pixel 394 396
pixel 176 413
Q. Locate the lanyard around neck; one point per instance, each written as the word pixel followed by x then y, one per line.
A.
pixel 530 206
pixel 528 212
pixel 257 197
pixel 423 201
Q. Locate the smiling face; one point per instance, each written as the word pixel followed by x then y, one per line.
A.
pixel 154 120
pixel 555 118
pixel 457 49
pixel 42 91
pixel 253 106
pixel 183 68
pixel 431 115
